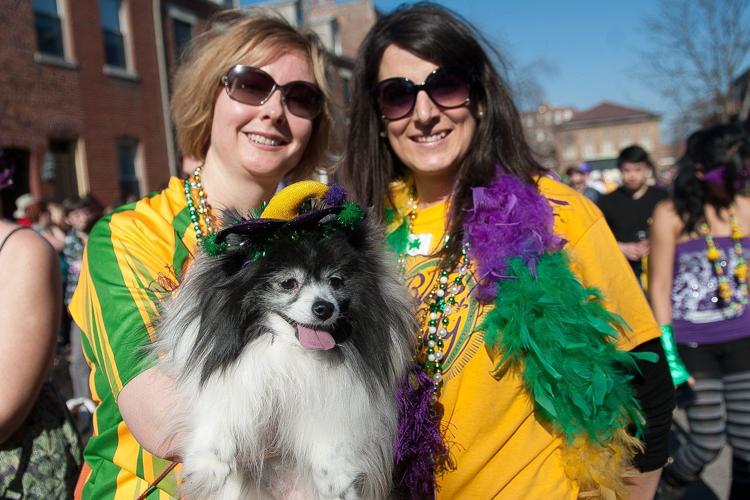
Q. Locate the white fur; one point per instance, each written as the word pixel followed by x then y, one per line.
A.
pixel 282 421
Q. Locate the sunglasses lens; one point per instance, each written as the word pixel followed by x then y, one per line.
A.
pixel 448 88
pixel 252 86
pixel 303 100
pixel 395 97
pixel 249 86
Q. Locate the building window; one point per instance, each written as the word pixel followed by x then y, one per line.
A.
pixel 127 153
pixel 113 33
pixel 183 22
pixel 59 167
pixel 588 151
pixel 607 148
pixel 183 33
pixel 48 23
pixel 569 152
pixel 646 144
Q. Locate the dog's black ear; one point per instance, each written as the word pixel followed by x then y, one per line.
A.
pixel 228 322
pixel 367 235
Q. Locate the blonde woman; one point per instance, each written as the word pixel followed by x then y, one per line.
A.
pixel 249 103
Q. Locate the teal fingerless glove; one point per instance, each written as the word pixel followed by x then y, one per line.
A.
pixel 677 368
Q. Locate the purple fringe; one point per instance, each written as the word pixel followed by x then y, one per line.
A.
pixel 6 178
pixel 335 196
pixel 419 449
pixel 509 219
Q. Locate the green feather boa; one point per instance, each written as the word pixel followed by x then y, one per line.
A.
pixel 550 328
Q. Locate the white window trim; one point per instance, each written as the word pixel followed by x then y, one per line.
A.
pixel 138 159
pixel 182 15
pixel 139 168
pixel 127 35
pixel 128 72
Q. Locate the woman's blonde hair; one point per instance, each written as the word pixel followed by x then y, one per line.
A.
pixel 235 36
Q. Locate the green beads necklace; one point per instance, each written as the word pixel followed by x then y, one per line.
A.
pixel 434 312
pixel 194 186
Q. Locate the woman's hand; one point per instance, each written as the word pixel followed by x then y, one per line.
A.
pixel 151 408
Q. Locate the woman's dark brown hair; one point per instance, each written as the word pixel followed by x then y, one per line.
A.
pixel 441 36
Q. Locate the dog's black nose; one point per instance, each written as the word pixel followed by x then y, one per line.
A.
pixel 322 309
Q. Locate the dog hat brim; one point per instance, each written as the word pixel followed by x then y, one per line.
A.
pixel 282 212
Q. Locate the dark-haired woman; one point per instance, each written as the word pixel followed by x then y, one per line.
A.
pixel 699 290
pixel 516 277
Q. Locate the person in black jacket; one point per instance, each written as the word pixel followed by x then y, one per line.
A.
pixel 628 209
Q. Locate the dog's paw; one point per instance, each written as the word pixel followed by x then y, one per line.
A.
pixel 204 475
pixel 334 483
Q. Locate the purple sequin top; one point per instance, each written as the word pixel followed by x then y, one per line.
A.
pixel 697 315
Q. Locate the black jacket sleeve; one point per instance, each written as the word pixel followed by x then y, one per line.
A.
pixel 655 392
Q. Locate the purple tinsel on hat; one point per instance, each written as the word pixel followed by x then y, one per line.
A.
pixel 419 449
pixel 509 219
pixel 335 196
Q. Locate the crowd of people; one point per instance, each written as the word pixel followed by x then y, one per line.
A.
pixel 555 320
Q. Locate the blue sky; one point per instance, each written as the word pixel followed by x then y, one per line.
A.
pixel 592 46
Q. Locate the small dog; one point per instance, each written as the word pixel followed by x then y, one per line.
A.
pixel 289 346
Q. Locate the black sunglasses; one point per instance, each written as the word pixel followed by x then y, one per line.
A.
pixel 254 86
pixel 447 87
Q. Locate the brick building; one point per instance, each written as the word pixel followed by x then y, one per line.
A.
pixel 597 135
pixel 84 94
pixel 539 127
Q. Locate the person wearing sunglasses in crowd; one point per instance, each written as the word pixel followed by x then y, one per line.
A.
pixel 248 104
pixel 521 291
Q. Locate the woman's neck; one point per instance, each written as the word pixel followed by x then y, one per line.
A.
pixel 432 190
pixel 239 192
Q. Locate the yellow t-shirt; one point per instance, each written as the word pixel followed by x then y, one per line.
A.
pixel 500 449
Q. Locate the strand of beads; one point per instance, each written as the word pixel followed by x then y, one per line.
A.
pixel 194 184
pixel 726 294
pixel 441 300
pixel 411 214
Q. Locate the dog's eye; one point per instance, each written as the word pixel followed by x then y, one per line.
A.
pixel 335 282
pixel 289 284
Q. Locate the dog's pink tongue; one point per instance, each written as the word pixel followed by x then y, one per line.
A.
pixel 315 339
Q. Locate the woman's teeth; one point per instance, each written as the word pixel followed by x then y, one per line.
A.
pixel 432 138
pixel 263 140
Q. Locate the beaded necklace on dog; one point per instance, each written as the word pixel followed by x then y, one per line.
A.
pixel 194 185
pixel 725 292
pixel 434 313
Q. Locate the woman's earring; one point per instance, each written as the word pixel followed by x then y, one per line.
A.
pixel 480 113
pixel 382 134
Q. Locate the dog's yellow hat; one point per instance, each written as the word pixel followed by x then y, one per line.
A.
pixel 285 204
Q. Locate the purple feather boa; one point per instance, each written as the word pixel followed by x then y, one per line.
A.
pixel 420 451
pixel 509 219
